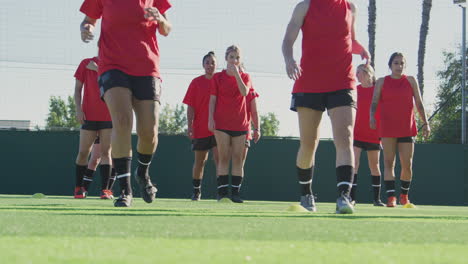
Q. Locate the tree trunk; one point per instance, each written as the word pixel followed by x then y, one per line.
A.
pixel 426 14
pixel 372 9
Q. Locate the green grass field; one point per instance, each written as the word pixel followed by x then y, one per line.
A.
pixel 63 230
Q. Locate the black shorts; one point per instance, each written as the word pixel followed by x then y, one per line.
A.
pixel 97 141
pixel 142 87
pixel 96 125
pixel 367 145
pixel 233 133
pixel 322 101
pixel 206 143
pixel 405 140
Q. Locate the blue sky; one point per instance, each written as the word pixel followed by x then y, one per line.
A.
pixel 39 53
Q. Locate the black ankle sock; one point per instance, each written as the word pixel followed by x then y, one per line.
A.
pixel 79 174
pixel 122 168
pixel 305 177
pixel 354 188
pixel 390 188
pixel 405 186
pixel 376 186
pixel 223 183
pixel 344 178
pixel 88 178
pixel 236 184
pixel 105 170
pixel 196 185
pixel 144 161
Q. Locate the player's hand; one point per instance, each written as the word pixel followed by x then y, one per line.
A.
pixel 92 66
pixel 293 70
pixel 232 68
pixel 211 125
pixel 256 135
pixel 153 14
pixel 190 132
pixel 426 131
pixel 365 55
pixel 80 116
pixel 87 32
pixel 372 123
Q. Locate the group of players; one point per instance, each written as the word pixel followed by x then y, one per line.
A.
pixel 125 79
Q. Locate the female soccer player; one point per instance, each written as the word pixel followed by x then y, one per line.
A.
pixel 324 80
pixel 129 78
pixel 197 100
pixel 395 94
pixel 228 120
pixel 253 119
pixel 92 113
pixel 365 138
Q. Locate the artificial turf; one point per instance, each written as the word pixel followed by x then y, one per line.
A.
pixel 60 229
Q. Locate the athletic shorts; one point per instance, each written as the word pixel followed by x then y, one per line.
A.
pixel 233 133
pixel 97 141
pixel 96 125
pixel 367 145
pixel 323 101
pixel 142 87
pixel 205 143
pixel 405 140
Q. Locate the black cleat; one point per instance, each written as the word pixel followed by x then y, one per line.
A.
pixel 378 203
pixel 196 196
pixel 124 200
pixel 236 198
pixel 308 202
pixel 147 189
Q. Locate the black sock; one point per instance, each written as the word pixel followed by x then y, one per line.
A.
pixel 144 161
pixel 390 187
pixel 405 186
pixel 122 168
pixel 223 183
pixel 344 178
pixel 305 177
pixel 236 184
pixel 112 179
pixel 105 170
pixel 197 185
pixel 79 174
pixel 88 178
pixel 354 188
pixel 376 187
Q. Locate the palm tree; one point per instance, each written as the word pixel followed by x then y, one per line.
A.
pixel 426 14
pixel 372 10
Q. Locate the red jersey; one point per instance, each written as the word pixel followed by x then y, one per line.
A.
pixel 326 60
pixel 231 106
pixel 128 40
pixel 362 130
pixel 93 107
pixel 397 108
pixel 198 97
pixel 249 98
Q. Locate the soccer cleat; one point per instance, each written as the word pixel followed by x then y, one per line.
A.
pixel 147 189
pixel 391 201
pixel 343 205
pixel 124 200
pixel 378 203
pixel 219 197
pixel 404 199
pixel 107 194
pixel 196 196
pixel 80 193
pixel 236 198
pixel 308 202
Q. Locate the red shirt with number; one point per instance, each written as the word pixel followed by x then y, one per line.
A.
pixel 231 106
pixel 128 40
pixel 93 107
pixel 250 97
pixel 362 130
pixel 326 60
pixel 397 108
pixel 198 97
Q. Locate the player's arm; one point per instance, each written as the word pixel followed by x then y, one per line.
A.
pixel 420 106
pixel 190 116
pixel 211 110
pixel 80 117
pixel 164 26
pixel 375 102
pixel 357 47
pixel 255 120
pixel 87 29
pixel 292 31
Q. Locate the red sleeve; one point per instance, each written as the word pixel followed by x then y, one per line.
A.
pixel 162 5
pixel 80 72
pixel 214 87
pixel 92 8
pixel 190 95
pixel 251 95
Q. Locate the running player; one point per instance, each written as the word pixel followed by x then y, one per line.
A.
pixel 324 81
pixel 228 120
pixel 92 113
pixel 197 100
pixel 129 78
pixel 366 138
pixel 396 94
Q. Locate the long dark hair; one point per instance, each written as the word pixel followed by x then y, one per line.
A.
pixel 393 56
